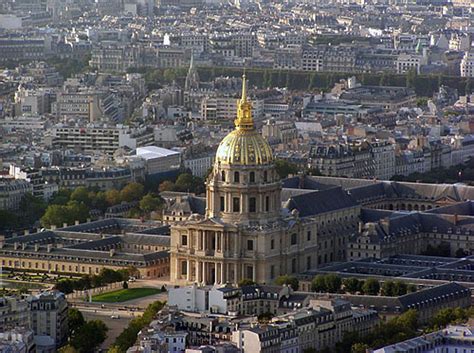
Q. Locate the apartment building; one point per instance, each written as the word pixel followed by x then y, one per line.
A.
pixel 91 139
pixel 225 108
pixel 467 64
pixel 12 192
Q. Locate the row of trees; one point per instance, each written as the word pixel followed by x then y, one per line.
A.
pixel 186 182
pixel 105 276
pixel 129 335
pixel 332 283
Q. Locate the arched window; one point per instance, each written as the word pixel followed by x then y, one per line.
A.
pixel 236 177
pixel 223 175
pixel 252 177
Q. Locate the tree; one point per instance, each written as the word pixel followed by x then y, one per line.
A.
pixel 399 288
pixel 284 168
pixel 67 349
pixel 371 287
pixel 246 282
pixel 75 321
pixel 150 203
pixel 333 283
pixel 359 348
pixel 318 284
pixel 89 336
pixel 288 280
pixel 388 288
pixel 112 197
pixel 411 78
pixel 81 194
pixel 186 182
pixel 132 192
pixel 460 253
pixel 166 186
pixel 55 215
pixel 351 285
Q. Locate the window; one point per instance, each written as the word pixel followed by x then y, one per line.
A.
pixel 308 263
pixel 294 239
pixel 265 176
pixel 272 271
pixel 184 240
pixel 267 203
pixel 184 268
pixel 223 176
pixel 272 244
pixel 308 236
pixel 250 245
pixel 236 177
pixel 252 177
pixel 252 204
pixel 236 204
pixel 222 204
pixel 293 265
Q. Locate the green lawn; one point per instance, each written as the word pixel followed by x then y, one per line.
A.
pixel 123 295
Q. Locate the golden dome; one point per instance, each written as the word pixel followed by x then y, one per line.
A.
pixel 244 145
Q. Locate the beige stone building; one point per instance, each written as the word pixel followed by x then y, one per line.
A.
pixel 245 233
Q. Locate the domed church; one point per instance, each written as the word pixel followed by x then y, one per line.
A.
pixel 245 233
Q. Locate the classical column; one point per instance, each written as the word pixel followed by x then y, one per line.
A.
pixel 200 240
pixel 204 275
pixel 216 273
pixel 198 271
pixel 188 270
pixel 254 277
pixel 235 273
pixel 222 273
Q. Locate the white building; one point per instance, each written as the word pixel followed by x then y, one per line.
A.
pixel 158 159
pixel 407 62
pixel 17 340
pixel 453 339
pixel 225 108
pixel 199 165
pixel 467 64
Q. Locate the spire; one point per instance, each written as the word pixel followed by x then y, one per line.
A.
pixel 244 119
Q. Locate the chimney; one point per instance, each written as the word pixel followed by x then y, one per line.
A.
pixel 27 231
pixel 53 227
pixel 15 245
pixel 88 220
pixel 111 252
pixel 49 247
pixel 361 226
pixel 23 246
pixel 2 241
pixel 64 225
pixel 385 223
pixel 76 222
pixel 37 247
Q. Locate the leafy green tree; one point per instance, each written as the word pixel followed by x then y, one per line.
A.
pixel 8 219
pixel 67 349
pixel 288 280
pixel 246 282
pixel 132 192
pixel 359 348
pixel 318 284
pixel 166 186
pixel 352 285
pixel 388 288
pixel 333 283
pixel 55 215
pixel 150 203
pixel 371 286
pixel 399 288
pixel 89 336
pixel 284 168
pixel 112 197
pixel 81 194
pixel 31 208
pixel 75 320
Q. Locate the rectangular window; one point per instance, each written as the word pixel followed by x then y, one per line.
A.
pixel 293 265
pixel 272 271
pixel 267 203
pixel 272 244
pixel 184 268
pixel 308 235
pixel 236 204
pixel 252 204
pixel 250 245
pixel 222 204
pixel 184 240
pixel 294 239
pixel 308 263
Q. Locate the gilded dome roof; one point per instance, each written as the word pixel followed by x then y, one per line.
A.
pixel 244 145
